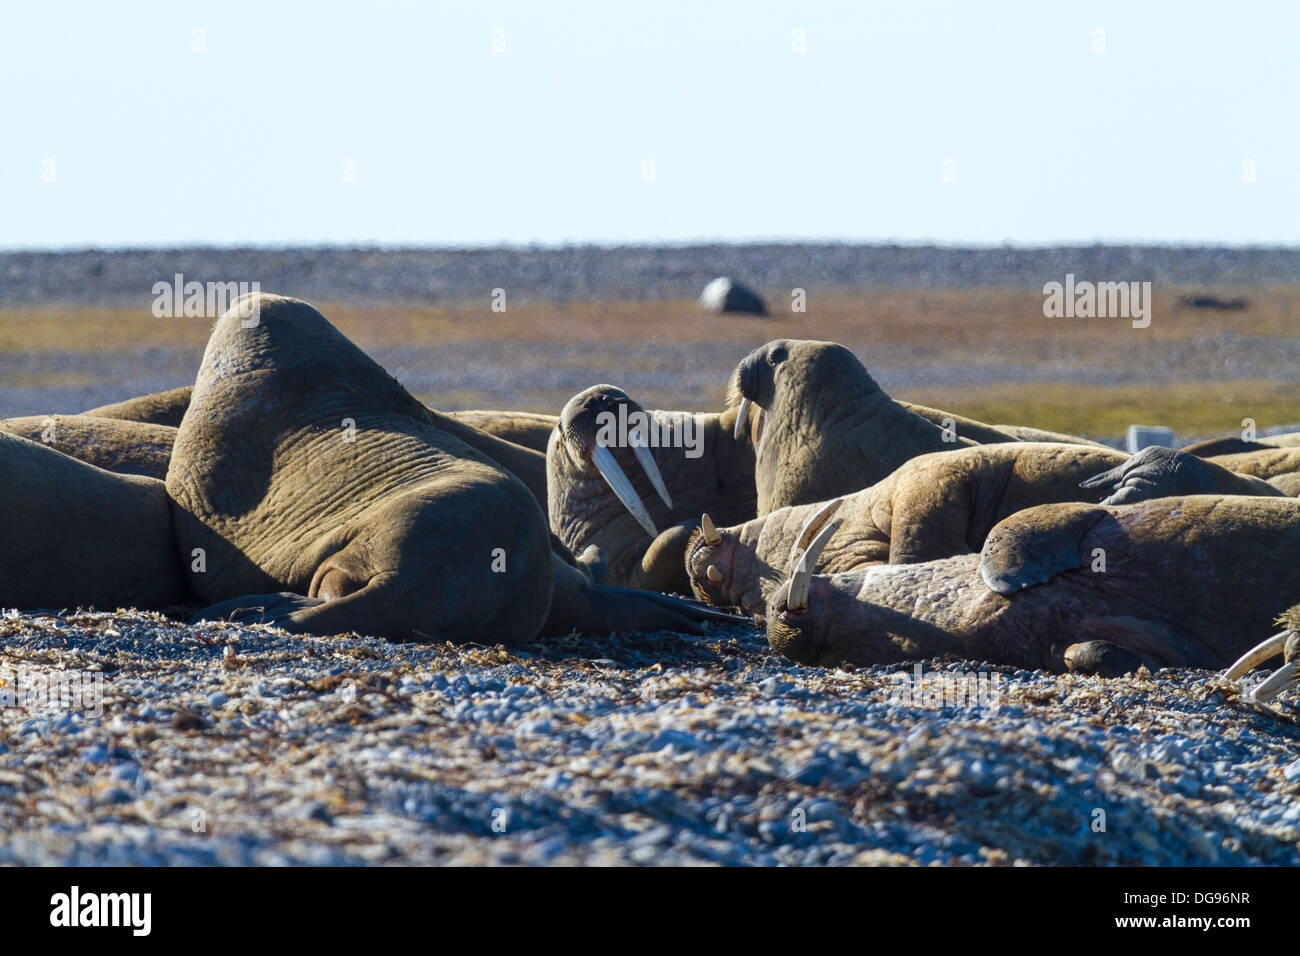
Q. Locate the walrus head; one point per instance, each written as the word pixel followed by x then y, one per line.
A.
pixel 596 422
pixel 813 399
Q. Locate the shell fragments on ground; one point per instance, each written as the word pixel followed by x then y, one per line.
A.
pixel 244 745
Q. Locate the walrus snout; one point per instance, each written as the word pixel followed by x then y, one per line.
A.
pixel 710 558
pixel 797 634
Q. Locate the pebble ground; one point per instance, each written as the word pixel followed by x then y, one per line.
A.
pixel 233 745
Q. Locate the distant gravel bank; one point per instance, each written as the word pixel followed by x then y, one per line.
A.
pixel 630 272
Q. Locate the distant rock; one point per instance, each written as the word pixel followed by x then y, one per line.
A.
pixel 1213 302
pixel 727 295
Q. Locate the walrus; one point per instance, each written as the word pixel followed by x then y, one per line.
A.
pixel 827 428
pixel 1157 472
pixel 527 430
pixel 625 484
pixel 157 408
pixel 314 492
pixel 123 446
pixel 1175 582
pixel 1234 445
pixel 77 536
pixel 930 507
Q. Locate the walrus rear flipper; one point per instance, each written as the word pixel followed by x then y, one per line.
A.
pixel 578 605
pixel 1033 546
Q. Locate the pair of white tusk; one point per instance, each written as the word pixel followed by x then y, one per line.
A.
pixel 711 536
pixel 1284 677
pixel 814 524
pixel 805 559
pixel 618 482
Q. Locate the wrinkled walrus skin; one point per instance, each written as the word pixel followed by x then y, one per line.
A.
pixel 316 489
pixel 717 476
pixel 122 446
pixel 1186 582
pixel 934 506
pixel 75 535
pixel 507 437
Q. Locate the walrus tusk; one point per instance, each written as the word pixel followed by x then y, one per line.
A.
pixel 741 416
pixel 647 461
pixel 811 527
pixel 1281 679
pixel 797 600
pixel 604 461
pixel 711 536
pixel 1256 656
pixel 714 574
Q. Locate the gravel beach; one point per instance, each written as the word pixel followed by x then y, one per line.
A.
pixel 234 745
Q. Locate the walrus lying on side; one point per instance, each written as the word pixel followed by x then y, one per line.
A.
pixel 1175 582
pixel 930 507
pixel 1234 445
pixel 122 446
pixel 157 408
pixel 624 484
pixel 322 497
pixel 75 535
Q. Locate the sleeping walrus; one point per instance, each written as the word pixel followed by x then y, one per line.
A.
pixel 314 489
pixel 1175 582
pixel 931 507
pixel 77 536
pixel 123 446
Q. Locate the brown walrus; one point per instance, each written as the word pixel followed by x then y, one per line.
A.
pixel 827 428
pixel 629 508
pixel 1175 582
pixel 931 507
pixel 321 494
pixel 528 430
pixel 124 446
pixel 157 408
pixel 77 536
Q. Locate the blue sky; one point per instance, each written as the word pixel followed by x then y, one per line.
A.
pixel 154 143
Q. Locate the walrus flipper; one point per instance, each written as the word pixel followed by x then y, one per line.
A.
pixel 275 608
pixel 578 605
pixel 1032 547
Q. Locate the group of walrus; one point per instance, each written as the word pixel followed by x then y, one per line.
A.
pixel 297 483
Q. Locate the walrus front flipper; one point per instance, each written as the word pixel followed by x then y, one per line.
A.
pixel 258 608
pixel 1103 659
pixel 1034 545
